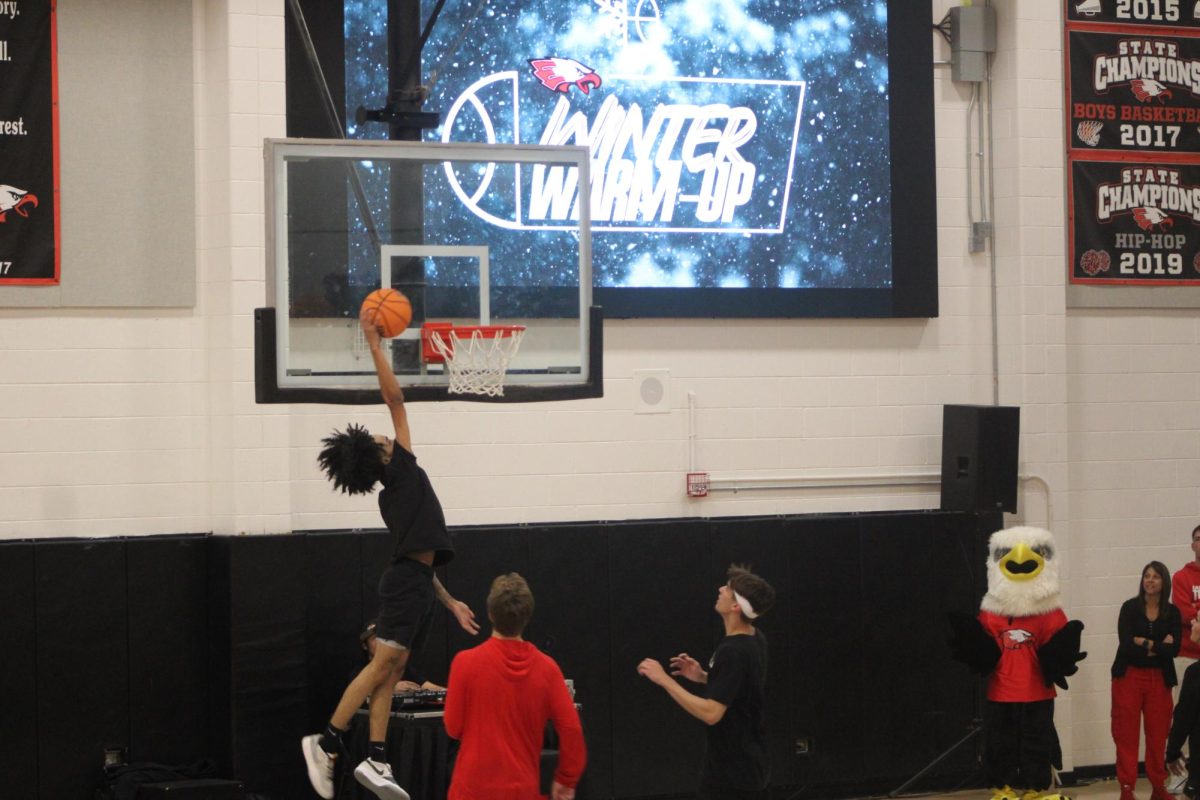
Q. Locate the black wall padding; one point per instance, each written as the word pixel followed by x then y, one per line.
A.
pixel 268 663
pixel 911 577
pixel 821 619
pixel 480 555
pixel 168 649
pixel 376 553
pixel 335 615
pixel 762 546
pixel 18 673
pixel 569 578
pixel 220 686
pixel 433 660
pixel 235 647
pixel 662 589
pixel 82 661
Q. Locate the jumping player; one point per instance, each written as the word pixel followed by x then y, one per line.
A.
pixel 355 461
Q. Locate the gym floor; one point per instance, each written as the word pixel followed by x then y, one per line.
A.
pixel 1105 789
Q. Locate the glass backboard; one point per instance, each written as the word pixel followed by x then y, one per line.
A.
pixel 346 218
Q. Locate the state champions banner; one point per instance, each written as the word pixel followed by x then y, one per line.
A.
pixel 1132 115
pixel 1134 222
pixel 1134 91
pixel 29 225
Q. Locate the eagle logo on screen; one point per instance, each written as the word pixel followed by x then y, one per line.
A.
pixel 15 200
pixel 1148 217
pixel 560 74
pixel 1147 89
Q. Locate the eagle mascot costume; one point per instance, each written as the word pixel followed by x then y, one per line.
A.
pixel 1022 641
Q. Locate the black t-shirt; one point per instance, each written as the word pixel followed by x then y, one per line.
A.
pixel 411 510
pixel 736 757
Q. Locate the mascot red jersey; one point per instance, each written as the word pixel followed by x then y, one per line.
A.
pixel 1022 641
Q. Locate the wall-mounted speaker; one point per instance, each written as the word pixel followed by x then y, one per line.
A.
pixel 979 457
pixel 653 391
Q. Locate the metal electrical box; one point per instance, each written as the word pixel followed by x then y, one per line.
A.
pixel 972 38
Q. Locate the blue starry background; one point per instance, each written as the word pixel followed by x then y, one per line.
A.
pixel 838 231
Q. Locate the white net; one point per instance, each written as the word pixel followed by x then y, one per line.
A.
pixel 361 351
pixel 477 357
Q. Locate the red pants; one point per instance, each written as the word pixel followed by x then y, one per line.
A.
pixel 1141 692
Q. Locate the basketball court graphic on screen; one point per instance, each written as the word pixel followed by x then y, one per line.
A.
pixel 349 223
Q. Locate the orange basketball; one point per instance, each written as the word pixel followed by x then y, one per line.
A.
pixel 393 312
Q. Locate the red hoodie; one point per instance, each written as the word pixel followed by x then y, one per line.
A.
pixel 1185 594
pixel 498 700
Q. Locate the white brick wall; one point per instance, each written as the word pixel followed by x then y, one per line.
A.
pixel 1117 388
pixel 142 422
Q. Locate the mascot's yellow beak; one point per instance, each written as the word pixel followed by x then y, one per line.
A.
pixel 1021 563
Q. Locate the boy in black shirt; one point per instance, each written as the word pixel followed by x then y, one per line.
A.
pixel 355 461
pixel 736 765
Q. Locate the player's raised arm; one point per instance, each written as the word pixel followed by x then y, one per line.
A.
pixel 389 387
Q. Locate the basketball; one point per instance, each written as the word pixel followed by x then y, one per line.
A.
pixel 393 312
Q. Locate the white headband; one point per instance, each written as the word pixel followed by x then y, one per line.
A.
pixel 747 610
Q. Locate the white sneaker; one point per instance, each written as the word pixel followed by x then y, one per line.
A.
pixel 378 778
pixel 320 766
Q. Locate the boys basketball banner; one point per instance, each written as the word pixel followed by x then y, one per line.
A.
pixel 1133 92
pixel 1135 223
pixel 28 143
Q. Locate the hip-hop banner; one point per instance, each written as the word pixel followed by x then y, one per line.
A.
pixel 1135 223
pixel 1133 92
pixel 28 143
pixel 1164 13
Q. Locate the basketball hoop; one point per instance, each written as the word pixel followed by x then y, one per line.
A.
pixel 476 356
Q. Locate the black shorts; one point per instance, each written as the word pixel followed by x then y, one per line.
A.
pixel 405 604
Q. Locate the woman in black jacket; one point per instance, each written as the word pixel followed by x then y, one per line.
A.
pixel 1143 673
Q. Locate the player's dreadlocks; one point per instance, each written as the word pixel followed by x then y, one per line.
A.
pixel 352 459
